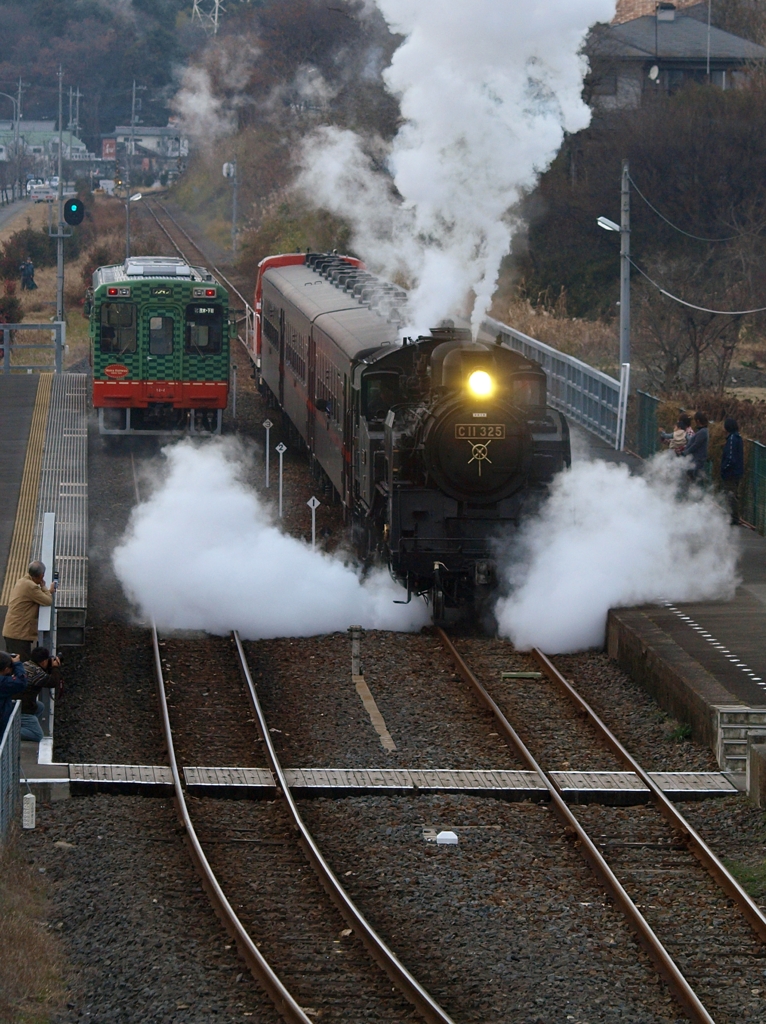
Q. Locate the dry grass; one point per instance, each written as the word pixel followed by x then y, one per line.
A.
pixel 593 341
pixel 31 960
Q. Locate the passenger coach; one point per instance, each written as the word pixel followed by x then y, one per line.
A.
pixel 159 332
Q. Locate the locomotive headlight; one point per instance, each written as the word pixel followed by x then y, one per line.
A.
pixel 481 384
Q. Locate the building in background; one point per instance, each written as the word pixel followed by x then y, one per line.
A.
pixel 633 60
pixel 628 10
pixel 39 147
pixel 153 152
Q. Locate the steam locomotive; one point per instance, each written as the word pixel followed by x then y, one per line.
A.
pixel 437 446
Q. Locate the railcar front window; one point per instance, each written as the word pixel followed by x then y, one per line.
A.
pixel 118 328
pixel 204 329
pixel 160 335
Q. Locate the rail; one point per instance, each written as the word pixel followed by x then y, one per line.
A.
pixel 591 398
pixel 248 317
pixel 58 344
pixel 260 968
pixel 396 971
pixel 10 762
pixel 667 967
pixel 693 840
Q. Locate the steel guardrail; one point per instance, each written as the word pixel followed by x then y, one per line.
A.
pixel 691 837
pixel 380 952
pixel 588 396
pixel 667 967
pixel 259 966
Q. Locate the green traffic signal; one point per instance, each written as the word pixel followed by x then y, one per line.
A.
pixel 74 211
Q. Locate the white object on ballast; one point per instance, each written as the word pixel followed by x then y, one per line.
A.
pixel 447 839
pixel 28 811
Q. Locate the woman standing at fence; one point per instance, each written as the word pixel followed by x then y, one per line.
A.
pixel 697 448
pixel 732 467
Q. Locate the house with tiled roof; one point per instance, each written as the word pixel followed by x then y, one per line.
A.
pixel 635 58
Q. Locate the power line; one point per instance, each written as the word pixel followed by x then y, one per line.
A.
pixel 675 227
pixel 690 305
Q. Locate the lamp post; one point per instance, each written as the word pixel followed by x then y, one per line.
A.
pixel 15 103
pixel 128 200
pixel 624 229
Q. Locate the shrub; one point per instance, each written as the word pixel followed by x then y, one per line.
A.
pixel 11 311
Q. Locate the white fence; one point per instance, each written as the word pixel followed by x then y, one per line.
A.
pixel 10 753
pixel 589 397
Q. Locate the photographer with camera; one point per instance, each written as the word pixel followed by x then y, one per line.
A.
pixel 42 670
pixel 20 626
pixel 13 682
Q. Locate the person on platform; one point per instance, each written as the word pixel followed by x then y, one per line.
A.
pixel 13 682
pixel 732 467
pixel 696 448
pixel 20 626
pixel 41 670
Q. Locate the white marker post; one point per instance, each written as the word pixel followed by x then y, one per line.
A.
pixel 267 425
pixel 281 448
pixel 313 503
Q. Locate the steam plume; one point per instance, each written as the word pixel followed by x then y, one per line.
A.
pixel 487 91
pixel 203 553
pixel 606 539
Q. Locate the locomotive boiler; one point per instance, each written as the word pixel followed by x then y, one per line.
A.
pixel 438 446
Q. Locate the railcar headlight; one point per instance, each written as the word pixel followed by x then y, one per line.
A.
pixel 481 384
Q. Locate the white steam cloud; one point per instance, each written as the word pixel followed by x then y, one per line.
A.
pixel 204 553
pixel 487 90
pixel 606 539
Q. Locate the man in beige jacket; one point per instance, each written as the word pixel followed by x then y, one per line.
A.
pixel 20 626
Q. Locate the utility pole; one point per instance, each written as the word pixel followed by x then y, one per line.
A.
pixel 234 211
pixel 127 170
pixel 70 108
pixel 16 140
pixel 625 265
pixel 60 234
pixel 77 112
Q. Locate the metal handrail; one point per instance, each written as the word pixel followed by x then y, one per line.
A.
pixel 680 987
pixel 589 396
pixel 10 748
pixel 696 843
pixel 259 966
pixel 397 972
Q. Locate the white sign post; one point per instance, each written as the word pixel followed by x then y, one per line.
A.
pixel 313 504
pixel 281 448
pixel 267 424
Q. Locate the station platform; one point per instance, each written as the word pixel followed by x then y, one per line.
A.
pixel 705 663
pixel 44 464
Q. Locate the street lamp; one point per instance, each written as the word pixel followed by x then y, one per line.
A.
pixel 128 200
pixel 624 229
pixel 15 103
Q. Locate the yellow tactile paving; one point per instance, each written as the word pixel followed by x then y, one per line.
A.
pixel 24 527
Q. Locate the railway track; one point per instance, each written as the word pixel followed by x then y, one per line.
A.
pixel 326 967
pixel 181 241
pixel 703 932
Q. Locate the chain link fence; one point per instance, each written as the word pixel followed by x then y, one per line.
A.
pixel 753 488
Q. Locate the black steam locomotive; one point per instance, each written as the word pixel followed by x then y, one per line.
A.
pixel 437 446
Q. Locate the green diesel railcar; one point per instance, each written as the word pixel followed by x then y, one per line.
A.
pixel 159 332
